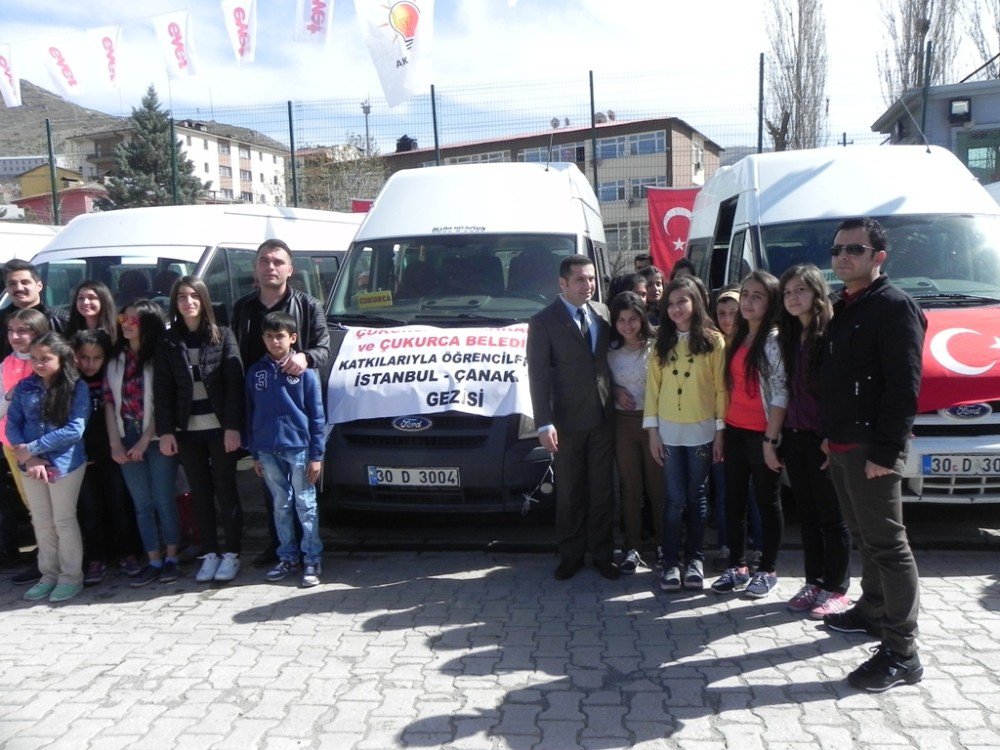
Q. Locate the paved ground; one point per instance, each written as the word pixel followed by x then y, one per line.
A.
pixel 481 650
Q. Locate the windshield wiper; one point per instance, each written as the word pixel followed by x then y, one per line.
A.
pixel 375 319
pixel 956 298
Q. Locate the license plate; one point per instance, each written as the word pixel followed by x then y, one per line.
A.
pixel 961 464
pixel 419 476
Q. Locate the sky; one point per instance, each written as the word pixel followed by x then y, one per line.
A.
pixel 701 56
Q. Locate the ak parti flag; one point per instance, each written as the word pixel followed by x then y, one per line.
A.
pixel 669 223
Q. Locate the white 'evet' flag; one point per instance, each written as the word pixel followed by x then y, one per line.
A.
pixel 10 83
pixel 63 63
pixel 241 23
pixel 173 31
pixel 313 20
pixel 399 35
pixel 104 45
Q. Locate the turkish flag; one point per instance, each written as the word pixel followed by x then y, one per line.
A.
pixel 669 223
pixel 961 357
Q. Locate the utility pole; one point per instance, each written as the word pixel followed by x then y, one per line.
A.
pixel 366 107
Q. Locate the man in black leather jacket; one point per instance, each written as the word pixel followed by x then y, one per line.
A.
pixel 272 270
pixel 868 399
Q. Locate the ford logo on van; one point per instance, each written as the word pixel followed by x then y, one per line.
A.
pixel 969 411
pixel 412 424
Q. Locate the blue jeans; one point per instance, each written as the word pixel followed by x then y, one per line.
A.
pixel 151 484
pixel 685 471
pixel 285 474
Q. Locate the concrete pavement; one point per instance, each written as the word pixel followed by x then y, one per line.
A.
pixel 483 650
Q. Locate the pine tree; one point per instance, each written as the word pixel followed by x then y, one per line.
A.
pixel 142 175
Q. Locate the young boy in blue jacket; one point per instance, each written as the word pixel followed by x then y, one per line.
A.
pixel 285 436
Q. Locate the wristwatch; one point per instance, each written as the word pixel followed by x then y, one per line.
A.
pixel 772 441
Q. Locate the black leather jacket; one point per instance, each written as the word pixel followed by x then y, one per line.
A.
pixel 313 338
pixel 870 371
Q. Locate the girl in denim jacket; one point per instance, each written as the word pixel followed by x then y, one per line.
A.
pixel 45 424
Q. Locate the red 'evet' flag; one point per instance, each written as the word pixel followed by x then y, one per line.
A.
pixel 669 222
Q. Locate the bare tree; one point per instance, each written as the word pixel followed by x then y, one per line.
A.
pixel 909 25
pixel 983 25
pixel 796 79
pixel 331 176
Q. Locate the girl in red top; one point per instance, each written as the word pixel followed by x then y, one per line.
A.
pixel 758 395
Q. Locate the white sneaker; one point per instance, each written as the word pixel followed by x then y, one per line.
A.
pixel 209 566
pixel 229 567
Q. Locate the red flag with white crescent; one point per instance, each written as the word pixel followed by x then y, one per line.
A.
pixel 961 357
pixel 669 223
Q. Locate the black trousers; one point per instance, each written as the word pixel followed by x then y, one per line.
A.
pixel 584 493
pixel 106 514
pixel 745 463
pixel 826 540
pixel 211 472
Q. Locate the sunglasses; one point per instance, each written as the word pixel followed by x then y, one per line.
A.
pixel 853 250
pixel 132 320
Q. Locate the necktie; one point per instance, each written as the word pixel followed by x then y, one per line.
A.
pixel 585 329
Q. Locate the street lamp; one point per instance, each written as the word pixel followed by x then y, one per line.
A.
pixel 366 107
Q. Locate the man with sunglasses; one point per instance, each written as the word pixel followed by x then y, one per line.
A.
pixel 870 377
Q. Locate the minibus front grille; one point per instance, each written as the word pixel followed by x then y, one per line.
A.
pixel 415 440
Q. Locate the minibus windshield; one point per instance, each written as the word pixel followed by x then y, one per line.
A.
pixel 477 278
pixel 939 259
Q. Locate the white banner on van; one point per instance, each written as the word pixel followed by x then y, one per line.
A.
pixel 393 372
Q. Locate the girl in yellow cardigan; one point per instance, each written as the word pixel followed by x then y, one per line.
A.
pixel 686 401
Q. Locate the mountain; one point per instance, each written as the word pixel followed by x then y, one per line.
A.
pixel 22 129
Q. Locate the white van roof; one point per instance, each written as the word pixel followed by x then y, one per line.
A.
pixel 20 240
pixel 184 232
pixel 841 182
pixel 489 198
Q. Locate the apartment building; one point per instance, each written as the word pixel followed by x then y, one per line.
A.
pixel 243 166
pixel 621 159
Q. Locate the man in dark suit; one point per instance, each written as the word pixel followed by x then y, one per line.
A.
pixel 572 399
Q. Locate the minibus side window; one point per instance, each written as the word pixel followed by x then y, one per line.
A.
pixel 241 264
pixel 738 268
pixel 217 280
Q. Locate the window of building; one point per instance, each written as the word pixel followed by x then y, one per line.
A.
pixel 492 156
pixel 260 154
pixel 638 185
pixel 571 152
pixel 223 147
pixel 225 171
pixel 247 197
pixel 246 175
pixel 262 178
pixel 627 236
pixel 206 166
pixel 979 150
pixel 187 140
pixel 274 158
pixel 276 179
pixel 206 144
pixel 244 152
pixel 697 157
pixel 611 148
pixel 609 192
pixel 647 143
pixel 226 193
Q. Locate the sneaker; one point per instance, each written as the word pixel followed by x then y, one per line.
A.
pixel 721 559
pixel 282 570
pixel 148 574
pixel 31 575
pixel 39 591
pixel 94 573
pixel 829 603
pixel 886 669
pixel 630 563
pixel 130 565
pixel 852 621
pixel 805 599
pixel 169 573
pixel 694 576
pixel 229 567
pixel 670 579
pixel 310 574
pixel 209 564
pixel 64 592
pixel 733 579
pixel 761 585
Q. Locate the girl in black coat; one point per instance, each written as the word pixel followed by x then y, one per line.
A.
pixel 198 399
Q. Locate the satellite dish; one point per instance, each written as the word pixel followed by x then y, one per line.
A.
pixel 555 122
pixel 567 122
pixel 611 115
pixel 600 118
